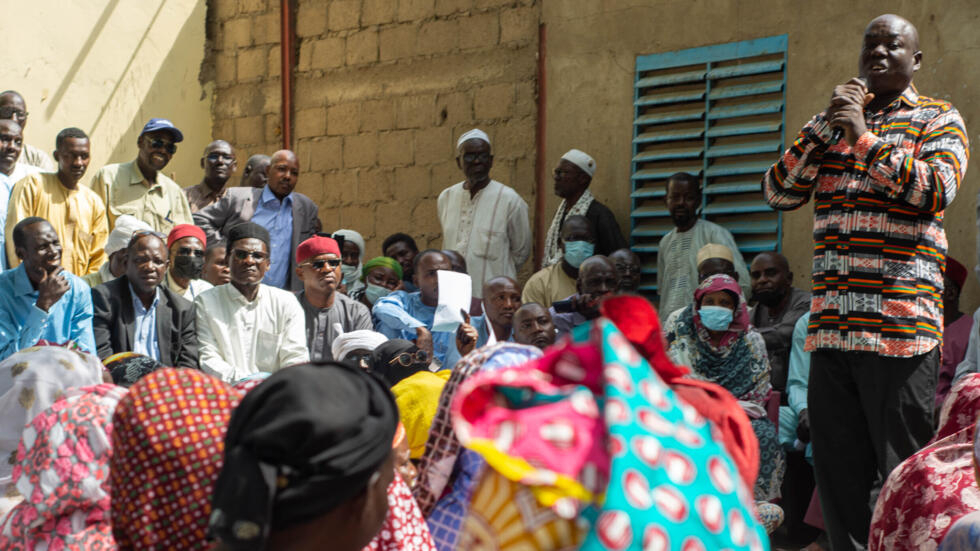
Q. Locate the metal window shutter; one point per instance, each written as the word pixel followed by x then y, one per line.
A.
pixel 717 112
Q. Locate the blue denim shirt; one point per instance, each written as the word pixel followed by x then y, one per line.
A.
pixel 277 217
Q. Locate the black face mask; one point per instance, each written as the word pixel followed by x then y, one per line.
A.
pixel 188 266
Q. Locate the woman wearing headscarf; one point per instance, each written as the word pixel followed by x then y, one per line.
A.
pixel 30 381
pixel 308 464
pixel 964 534
pixel 713 336
pixel 352 253
pixel 356 346
pixel 381 275
pixel 924 494
pixel 62 466
pixel 168 439
pixel 587 448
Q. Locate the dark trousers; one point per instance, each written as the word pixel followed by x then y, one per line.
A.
pixel 868 413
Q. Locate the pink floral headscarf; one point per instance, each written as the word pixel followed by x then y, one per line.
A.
pixel 62 471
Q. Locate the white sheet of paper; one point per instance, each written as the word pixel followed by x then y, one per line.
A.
pixel 455 294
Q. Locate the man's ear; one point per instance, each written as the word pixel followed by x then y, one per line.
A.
pixel 459 163
pixel 21 253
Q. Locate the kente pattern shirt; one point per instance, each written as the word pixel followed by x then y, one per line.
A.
pixel 879 244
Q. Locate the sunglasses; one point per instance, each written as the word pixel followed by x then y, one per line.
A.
pixel 407 359
pixel 160 144
pixel 187 251
pixel 319 264
pixel 240 254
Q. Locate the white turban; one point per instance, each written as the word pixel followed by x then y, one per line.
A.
pixel 475 134
pixel 582 160
pixel 362 339
pixel 126 226
pixel 353 237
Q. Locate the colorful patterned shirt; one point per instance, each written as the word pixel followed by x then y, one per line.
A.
pixel 879 244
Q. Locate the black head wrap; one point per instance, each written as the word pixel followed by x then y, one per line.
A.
pixel 306 440
pixel 385 360
pixel 247 230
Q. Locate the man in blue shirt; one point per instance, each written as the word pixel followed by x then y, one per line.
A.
pixel 39 299
pixel 289 217
pixel 409 316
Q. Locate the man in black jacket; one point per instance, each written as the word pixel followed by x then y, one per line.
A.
pixel 135 313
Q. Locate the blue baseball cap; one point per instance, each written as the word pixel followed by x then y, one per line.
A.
pixel 163 124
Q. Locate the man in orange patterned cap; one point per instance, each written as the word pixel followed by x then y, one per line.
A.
pixel 328 313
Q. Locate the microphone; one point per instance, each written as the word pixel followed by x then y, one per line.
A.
pixel 838 134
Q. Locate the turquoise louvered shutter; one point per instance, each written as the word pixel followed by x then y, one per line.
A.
pixel 717 112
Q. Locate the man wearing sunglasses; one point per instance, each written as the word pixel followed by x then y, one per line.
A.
pixel 289 217
pixel 246 326
pixel 219 164
pixel 137 313
pixel 139 188
pixel 328 312
pixel 482 218
pixel 13 107
pixel 186 245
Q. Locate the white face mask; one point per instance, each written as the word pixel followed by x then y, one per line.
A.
pixel 351 273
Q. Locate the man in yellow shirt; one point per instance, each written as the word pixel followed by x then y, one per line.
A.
pixel 139 188
pixel 75 211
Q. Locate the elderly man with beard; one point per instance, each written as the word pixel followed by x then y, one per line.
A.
pixel 137 313
pixel 597 279
pixel 329 313
pixel 882 163
pixel 245 326
pixel 779 306
pixel 39 299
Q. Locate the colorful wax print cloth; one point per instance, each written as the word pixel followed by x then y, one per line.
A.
pixel 404 528
pixel 127 368
pixel 596 435
pixel 62 471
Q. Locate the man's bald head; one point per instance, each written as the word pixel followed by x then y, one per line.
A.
pixel 897 22
pixel 889 58
pixel 628 267
pixel 218 163
pixel 501 282
pixel 11 142
pixel 254 174
pixel 12 106
pixel 501 299
pixel 597 274
pixel 771 257
pixel 283 173
pixel 771 279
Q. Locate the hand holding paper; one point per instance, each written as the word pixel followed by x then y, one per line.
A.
pixel 455 293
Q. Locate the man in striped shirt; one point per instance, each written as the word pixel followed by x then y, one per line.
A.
pixel 880 249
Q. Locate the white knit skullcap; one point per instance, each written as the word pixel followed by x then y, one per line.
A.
pixel 582 160
pixel 475 134
pixel 362 339
pixel 126 226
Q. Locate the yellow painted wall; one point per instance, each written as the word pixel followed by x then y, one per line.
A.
pixel 106 66
pixel 592 49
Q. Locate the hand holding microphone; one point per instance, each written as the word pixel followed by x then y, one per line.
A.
pixel 846 111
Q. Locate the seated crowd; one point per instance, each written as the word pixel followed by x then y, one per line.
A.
pixel 207 368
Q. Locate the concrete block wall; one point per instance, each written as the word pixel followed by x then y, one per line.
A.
pixel 383 88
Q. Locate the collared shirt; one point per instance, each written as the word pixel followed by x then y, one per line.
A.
pixel 77 215
pixel 124 190
pixel 399 314
pixel 548 285
pixel 194 287
pixel 677 264
pixel 277 217
pixel 33 156
pixel 491 230
pixel 778 332
pixel 321 323
pixel 879 243
pixel 145 339
pixel 22 323
pixel 201 195
pixel 798 379
pixel 6 187
pixel 238 338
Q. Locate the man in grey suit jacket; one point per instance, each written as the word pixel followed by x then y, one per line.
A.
pixel 289 217
pixel 136 313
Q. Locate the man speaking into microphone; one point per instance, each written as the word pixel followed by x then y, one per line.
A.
pixel 876 316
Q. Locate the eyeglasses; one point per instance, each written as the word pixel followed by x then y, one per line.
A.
pixel 473 157
pixel 219 157
pixel 187 251
pixel 143 233
pixel 259 256
pixel 160 144
pixel 12 113
pixel 319 264
pixel 407 359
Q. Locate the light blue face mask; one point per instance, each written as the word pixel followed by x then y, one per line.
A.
pixel 577 251
pixel 351 273
pixel 375 292
pixel 715 318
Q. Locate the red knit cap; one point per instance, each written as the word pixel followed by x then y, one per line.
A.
pixel 186 230
pixel 316 246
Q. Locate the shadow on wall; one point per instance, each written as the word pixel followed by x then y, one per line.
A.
pixel 167 98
